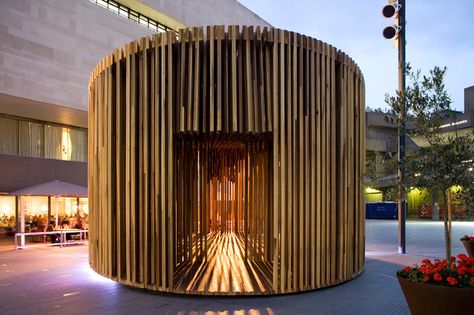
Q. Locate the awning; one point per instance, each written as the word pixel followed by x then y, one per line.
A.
pixel 53 188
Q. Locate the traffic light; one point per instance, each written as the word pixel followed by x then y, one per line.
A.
pixel 389 11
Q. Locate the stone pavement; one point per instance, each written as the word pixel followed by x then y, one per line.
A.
pixel 59 281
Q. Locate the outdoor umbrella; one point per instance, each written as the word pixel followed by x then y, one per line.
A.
pixel 55 188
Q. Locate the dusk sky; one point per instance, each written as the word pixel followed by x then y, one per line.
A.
pixel 439 32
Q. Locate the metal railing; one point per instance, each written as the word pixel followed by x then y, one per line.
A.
pixel 57 238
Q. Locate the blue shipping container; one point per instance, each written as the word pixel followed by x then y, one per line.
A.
pixel 381 210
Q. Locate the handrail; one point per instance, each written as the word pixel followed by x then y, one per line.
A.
pixel 62 238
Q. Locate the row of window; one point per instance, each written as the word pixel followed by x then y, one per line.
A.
pixel 130 14
pixel 29 138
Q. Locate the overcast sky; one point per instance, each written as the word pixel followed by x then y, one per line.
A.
pixel 439 32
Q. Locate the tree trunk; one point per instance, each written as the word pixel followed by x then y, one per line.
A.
pixel 447 224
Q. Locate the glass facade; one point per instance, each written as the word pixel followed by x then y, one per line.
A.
pixel 7 213
pixel 66 212
pixel 37 139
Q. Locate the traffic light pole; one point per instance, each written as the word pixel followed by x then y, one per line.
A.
pixel 402 204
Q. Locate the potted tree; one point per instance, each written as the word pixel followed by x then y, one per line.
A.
pixel 441 164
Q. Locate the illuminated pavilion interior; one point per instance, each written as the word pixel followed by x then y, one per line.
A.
pixel 227 161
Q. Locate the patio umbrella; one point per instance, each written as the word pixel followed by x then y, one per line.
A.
pixel 55 188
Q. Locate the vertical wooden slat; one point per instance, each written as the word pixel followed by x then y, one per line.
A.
pixel 282 191
pixel 300 133
pixel 197 38
pixel 233 36
pixel 292 199
pixel 128 147
pixel 334 205
pixel 162 159
pixel 312 181
pixel 219 30
pixel 119 193
pixel 319 166
pixel 276 165
pixel 247 33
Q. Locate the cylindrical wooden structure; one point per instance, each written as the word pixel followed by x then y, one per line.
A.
pixel 227 162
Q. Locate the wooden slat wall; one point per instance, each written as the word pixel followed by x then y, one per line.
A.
pixel 258 132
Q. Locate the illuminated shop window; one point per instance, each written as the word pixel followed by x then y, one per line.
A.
pixel 7 212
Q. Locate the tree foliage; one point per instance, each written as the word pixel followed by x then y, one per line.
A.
pixel 447 159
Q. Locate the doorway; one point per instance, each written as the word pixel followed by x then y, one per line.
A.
pixel 223 214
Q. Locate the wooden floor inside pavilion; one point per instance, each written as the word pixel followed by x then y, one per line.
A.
pixel 225 269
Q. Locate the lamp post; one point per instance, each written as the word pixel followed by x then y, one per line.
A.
pixel 397 10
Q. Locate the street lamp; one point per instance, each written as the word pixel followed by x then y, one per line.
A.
pixel 396 9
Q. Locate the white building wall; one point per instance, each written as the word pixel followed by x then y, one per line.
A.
pixel 48 48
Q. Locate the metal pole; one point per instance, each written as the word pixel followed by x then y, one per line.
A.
pixel 402 205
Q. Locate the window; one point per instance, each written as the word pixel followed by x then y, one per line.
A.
pixel 65 143
pixel 8 136
pixel 37 139
pixel 152 25
pixel 7 212
pixel 52 146
pixel 131 15
pixel 78 144
pixel 113 7
pixel 123 12
pixel 102 3
pixel 143 21
pixel 31 137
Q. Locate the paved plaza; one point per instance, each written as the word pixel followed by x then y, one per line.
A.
pixel 59 281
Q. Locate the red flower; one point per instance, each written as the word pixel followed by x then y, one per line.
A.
pixel 461 257
pixel 462 270
pixel 452 281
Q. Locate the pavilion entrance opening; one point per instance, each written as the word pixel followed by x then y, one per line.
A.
pixel 224 223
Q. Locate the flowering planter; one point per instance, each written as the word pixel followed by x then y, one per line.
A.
pixel 432 299
pixel 469 245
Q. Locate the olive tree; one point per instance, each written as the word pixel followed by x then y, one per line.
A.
pixel 444 159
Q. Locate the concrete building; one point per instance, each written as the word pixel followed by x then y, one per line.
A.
pixel 382 143
pixel 48 49
pixel 469 105
pixel 463 120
